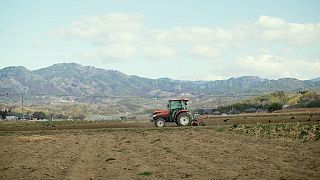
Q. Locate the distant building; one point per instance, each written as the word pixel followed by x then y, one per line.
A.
pixel 216 112
pixel 285 106
pixel 24 117
pixel 251 110
pixel 11 118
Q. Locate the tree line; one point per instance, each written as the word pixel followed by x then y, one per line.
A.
pixel 270 107
pixel 39 115
pixel 242 107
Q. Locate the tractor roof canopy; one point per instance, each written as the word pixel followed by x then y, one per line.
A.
pixel 182 99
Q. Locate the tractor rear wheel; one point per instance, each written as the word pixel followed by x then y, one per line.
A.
pixel 160 122
pixel 184 119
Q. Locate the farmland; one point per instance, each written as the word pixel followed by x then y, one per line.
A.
pixel 251 146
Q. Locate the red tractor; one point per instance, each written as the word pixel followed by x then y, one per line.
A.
pixel 176 112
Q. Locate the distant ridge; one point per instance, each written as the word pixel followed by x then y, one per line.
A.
pixel 75 79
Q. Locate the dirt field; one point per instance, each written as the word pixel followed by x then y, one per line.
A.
pixel 254 118
pixel 149 153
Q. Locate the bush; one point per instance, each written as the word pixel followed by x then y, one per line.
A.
pixel 62 116
pixel 314 103
pixel 238 107
pixel 39 115
pixel 274 106
pixel 3 114
pixel 309 104
pixel 79 117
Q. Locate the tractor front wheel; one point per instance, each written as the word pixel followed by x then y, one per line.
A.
pixel 184 119
pixel 160 122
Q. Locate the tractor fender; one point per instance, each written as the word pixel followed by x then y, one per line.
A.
pixel 181 111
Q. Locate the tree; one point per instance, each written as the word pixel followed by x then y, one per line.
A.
pixel 3 114
pixel 314 103
pixel 274 106
pixel 79 117
pixel 62 116
pixel 39 115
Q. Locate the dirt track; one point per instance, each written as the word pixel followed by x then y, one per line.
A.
pixel 171 153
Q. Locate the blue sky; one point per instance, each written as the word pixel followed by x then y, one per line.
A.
pixel 182 39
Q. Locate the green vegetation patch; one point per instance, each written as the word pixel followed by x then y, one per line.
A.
pixel 275 101
pixel 298 131
pixel 145 173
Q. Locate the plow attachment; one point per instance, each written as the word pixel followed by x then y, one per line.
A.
pixel 199 121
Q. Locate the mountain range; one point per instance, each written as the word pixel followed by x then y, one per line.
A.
pixel 77 80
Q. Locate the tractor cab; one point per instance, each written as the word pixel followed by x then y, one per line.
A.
pixel 176 106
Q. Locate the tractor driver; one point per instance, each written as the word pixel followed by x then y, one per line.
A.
pixel 175 106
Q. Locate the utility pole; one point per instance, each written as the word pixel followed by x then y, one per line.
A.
pixel 22 106
pixel 52 110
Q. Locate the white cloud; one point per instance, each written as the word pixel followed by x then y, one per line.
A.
pixel 112 53
pixel 268 22
pixel 275 67
pixel 266 29
pixel 115 27
pixel 272 28
pixel 195 34
pixel 213 77
pixel 200 42
pixel 205 51
pixel 262 64
pixel 113 36
pixel 122 28
pixel 242 49
pixel 160 52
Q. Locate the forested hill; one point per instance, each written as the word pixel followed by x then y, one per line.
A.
pixel 75 79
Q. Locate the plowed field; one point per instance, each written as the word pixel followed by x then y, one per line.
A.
pixel 149 153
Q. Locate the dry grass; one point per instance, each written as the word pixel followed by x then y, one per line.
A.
pixel 34 138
